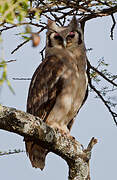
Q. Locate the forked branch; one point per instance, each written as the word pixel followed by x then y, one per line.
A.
pixel 35 129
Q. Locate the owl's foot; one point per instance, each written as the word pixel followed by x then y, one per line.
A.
pixel 62 129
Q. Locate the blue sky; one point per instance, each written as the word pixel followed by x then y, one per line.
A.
pixel 93 119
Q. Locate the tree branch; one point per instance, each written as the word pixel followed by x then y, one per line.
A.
pixel 113 26
pixel 114 114
pixel 65 146
pixel 101 13
pixel 89 67
pixel 20 45
pixel 101 74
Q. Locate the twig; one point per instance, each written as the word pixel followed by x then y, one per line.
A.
pixel 101 74
pixel 20 46
pixel 11 152
pixel 7 28
pixel 57 19
pixel 43 27
pixel 5 62
pixel 113 26
pixel 41 52
pixel 104 12
pixel 20 24
pixel 114 115
pixel 91 144
pixel 21 78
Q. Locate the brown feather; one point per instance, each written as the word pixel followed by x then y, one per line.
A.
pixel 58 86
pixel 44 88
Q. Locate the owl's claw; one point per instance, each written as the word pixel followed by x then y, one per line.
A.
pixel 62 129
pixel 63 132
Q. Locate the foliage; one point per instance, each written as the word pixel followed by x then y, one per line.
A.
pixel 3 70
pixel 11 152
pixel 11 10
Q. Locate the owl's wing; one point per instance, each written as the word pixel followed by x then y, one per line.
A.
pixel 46 84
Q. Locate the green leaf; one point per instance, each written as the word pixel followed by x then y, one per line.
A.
pixel 1 39
pixel 1 81
pixel 10 87
pixel 19 17
pixel 24 6
pixel 28 29
pixel 25 37
pixel 5 7
pixel 0 8
pixel 9 17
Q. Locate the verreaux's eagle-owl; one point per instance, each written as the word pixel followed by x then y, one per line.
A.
pixel 58 86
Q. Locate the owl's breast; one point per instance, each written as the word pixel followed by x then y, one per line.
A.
pixel 79 87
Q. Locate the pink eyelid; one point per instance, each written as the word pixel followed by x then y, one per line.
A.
pixel 71 33
pixel 57 34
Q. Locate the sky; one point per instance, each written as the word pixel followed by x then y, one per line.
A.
pixel 93 119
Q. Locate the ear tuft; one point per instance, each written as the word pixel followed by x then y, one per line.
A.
pixel 52 24
pixel 74 25
pixel 74 21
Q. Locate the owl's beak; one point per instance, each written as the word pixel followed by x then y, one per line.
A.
pixel 64 43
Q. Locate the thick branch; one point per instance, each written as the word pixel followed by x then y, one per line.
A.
pixel 104 12
pixel 35 129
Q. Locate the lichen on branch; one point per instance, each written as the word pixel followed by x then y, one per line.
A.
pixel 35 129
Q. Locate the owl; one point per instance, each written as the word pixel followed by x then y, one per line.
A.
pixel 58 87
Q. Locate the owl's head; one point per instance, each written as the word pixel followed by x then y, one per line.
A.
pixel 67 37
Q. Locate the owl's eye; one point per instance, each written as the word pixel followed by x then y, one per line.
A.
pixel 71 34
pixel 57 36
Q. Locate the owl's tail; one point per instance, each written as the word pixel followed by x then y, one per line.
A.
pixel 36 154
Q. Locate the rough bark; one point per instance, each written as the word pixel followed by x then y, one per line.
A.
pixel 34 128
